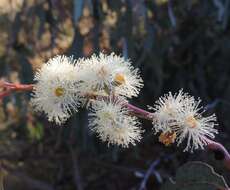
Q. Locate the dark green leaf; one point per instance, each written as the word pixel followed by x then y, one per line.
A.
pixel 196 176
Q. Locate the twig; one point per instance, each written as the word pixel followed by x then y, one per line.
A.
pixel 9 88
pixel 5 93
pixel 76 173
pixel 221 9
pixel 171 14
pixel 139 112
pixel 226 14
pixel 31 182
pixel 148 174
pixel 219 149
pixel 212 145
pixel 18 87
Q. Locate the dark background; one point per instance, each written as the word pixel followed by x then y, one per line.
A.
pixel 176 44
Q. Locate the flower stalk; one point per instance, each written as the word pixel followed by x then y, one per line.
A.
pixel 220 149
pixel 9 88
pixel 139 112
pixel 212 145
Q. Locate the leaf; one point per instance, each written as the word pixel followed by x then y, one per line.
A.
pixel 35 132
pixel 196 176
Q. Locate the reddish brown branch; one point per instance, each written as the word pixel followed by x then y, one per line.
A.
pixel 139 112
pixel 5 93
pixel 9 88
pixel 18 87
pixel 132 109
pixel 220 149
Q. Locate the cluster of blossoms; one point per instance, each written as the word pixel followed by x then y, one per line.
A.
pixel 179 117
pixel 105 83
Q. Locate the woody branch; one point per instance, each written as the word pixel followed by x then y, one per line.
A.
pixel 8 88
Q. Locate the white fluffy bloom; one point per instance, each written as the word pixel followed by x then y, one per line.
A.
pixel 194 127
pixel 179 117
pixel 55 92
pixel 110 73
pixel 166 110
pixel 112 123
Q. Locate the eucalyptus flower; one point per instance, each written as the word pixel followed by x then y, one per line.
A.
pixel 113 124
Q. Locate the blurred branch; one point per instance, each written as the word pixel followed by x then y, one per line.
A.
pixel 124 48
pixel 16 26
pixel 217 101
pixel 76 172
pixel 226 14
pixel 171 14
pixel 221 9
pixel 141 113
pixel 77 9
pixel 148 174
pixel 31 182
pixel 52 21
pixel 151 170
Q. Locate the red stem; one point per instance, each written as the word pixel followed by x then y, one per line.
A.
pixel 212 145
pixel 5 93
pixel 19 87
pixel 215 146
pixel 139 112
pixel 9 88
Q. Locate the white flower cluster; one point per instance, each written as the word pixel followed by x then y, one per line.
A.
pixel 179 117
pixel 56 91
pixel 112 74
pixel 112 122
pixel 105 82
pixel 63 84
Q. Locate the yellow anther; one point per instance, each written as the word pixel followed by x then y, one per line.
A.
pixel 59 91
pixel 191 121
pixel 119 79
pixel 167 138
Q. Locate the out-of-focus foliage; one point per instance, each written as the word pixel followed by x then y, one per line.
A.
pixel 176 44
pixel 196 175
pixel 35 132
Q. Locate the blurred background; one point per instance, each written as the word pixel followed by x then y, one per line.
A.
pixel 176 44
